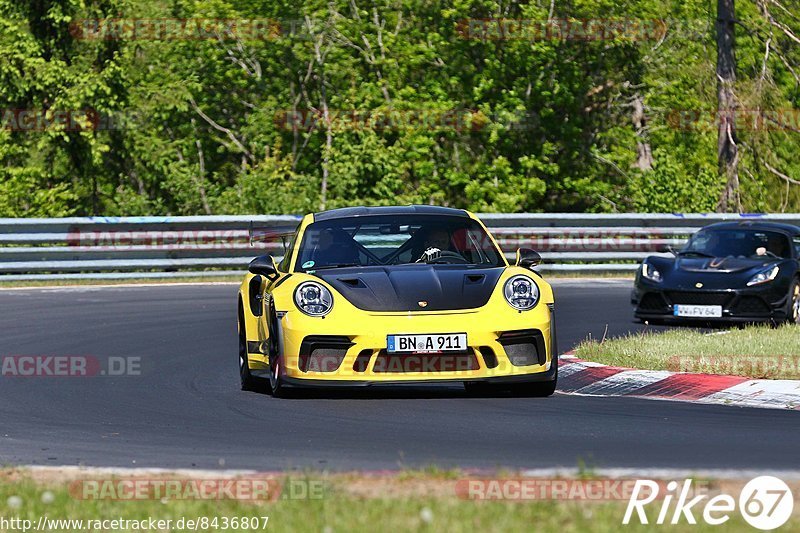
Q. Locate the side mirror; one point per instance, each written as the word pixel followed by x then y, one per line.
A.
pixel 263 265
pixel 527 258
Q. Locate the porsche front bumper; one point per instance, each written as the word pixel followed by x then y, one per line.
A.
pixel 504 345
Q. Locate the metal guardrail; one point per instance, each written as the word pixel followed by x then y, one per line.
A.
pixel 212 246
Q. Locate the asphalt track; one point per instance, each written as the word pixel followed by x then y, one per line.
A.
pixel 186 409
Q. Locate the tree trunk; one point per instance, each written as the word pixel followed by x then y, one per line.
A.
pixel 326 117
pixel 727 149
pixel 644 154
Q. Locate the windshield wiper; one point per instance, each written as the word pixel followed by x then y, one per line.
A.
pixel 338 265
pixel 695 252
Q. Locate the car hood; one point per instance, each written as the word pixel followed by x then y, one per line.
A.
pixel 414 287
pixel 684 273
pixel 721 264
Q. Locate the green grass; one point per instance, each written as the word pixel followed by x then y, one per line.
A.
pixel 339 512
pixel 755 351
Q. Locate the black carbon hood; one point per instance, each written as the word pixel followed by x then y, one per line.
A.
pixel 414 287
pixel 717 273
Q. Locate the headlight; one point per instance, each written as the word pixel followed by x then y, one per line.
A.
pixel 649 272
pixel 764 276
pixel 521 292
pixel 313 298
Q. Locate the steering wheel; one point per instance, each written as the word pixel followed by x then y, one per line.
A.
pixel 445 256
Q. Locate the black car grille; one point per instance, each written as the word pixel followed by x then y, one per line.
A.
pixel 653 301
pixel 699 298
pixel 752 305
pixel 524 347
pixel 323 353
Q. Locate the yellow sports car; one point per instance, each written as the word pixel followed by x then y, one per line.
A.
pixel 369 295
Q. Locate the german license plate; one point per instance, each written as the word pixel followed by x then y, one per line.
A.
pixel 427 343
pixel 697 311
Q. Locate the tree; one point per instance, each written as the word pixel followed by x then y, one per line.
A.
pixel 727 149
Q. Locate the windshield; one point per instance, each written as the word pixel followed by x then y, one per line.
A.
pixel 738 243
pixel 396 240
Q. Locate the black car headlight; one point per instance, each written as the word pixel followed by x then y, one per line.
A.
pixel 313 298
pixel 650 272
pixel 521 292
pixel 764 276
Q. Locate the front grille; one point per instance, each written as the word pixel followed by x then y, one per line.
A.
pixel 524 347
pixel 752 305
pixel 433 362
pixel 699 298
pixel 653 301
pixel 323 353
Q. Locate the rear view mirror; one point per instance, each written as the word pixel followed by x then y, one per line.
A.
pixel 527 258
pixel 263 265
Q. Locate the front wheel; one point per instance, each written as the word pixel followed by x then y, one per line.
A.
pixel 277 388
pixel 539 389
pixel 248 381
pixel 793 316
pixel 276 383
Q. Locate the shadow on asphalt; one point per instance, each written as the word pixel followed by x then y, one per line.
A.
pixel 392 392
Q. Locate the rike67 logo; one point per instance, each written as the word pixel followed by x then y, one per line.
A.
pixel 765 503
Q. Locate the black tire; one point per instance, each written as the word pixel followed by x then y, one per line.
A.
pixel 249 382
pixel 535 389
pixel 539 389
pixel 276 386
pixel 793 313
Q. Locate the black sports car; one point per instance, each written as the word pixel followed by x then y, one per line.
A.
pixel 730 271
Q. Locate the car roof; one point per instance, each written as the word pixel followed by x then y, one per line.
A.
pixel 349 212
pixel 756 225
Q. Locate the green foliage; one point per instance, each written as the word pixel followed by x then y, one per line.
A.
pixel 419 111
